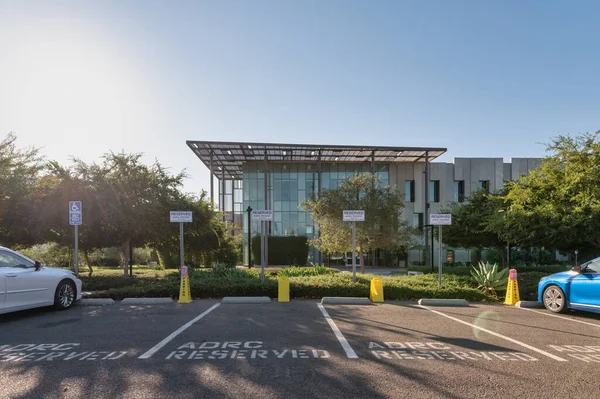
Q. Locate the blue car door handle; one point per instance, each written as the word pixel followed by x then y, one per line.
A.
pixel 11 274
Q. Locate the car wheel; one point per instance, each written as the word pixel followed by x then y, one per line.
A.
pixel 65 295
pixel 554 299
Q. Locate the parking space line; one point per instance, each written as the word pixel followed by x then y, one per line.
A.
pixel 338 334
pixel 561 317
pixel 514 341
pixel 175 333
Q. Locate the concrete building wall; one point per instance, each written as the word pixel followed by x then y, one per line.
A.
pixel 471 170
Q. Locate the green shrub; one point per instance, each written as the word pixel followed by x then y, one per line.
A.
pixel 295 271
pixel 549 269
pixel 206 284
pixel 489 278
pixel 289 250
pixel 219 269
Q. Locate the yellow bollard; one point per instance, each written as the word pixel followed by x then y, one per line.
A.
pixel 284 289
pixel 185 295
pixel 376 290
pixel 512 290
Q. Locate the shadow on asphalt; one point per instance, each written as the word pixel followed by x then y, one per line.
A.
pixel 336 377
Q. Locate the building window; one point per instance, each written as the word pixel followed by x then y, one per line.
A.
pixel 459 191
pixel 418 221
pixel 434 191
pixel 409 191
pixel 484 185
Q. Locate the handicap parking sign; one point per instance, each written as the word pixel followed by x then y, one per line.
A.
pixel 75 213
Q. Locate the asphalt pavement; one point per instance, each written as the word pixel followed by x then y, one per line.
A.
pixel 298 350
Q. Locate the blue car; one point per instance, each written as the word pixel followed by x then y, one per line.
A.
pixel 576 289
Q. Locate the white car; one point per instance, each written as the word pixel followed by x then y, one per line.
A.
pixel 26 284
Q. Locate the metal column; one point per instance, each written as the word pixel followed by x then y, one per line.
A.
pixel 223 194
pixel 212 184
pixel 318 233
pixel 428 261
pixel 373 187
pixel 266 224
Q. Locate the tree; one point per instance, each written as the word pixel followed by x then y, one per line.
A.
pixel 55 190
pixel 206 238
pixel 471 221
pixel 19 175
pixel 383 227
pixel 558 204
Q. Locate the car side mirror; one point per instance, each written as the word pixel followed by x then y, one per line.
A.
pixel 38 266
pixel 576 269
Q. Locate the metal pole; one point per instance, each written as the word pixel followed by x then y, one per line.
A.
pixel 426 254
pixel 249 237
pixel 317 232
pixel 262 251
pixel 373 252
pixel 266 223
pixel 507 254
pixel 426 210
pixel 76 250
pixel 223 194
pixel 181 244
pixel 212 184
pixel 130 258
pixel 354 251
pixel 440 254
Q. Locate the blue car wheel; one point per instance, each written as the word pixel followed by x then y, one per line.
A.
pixel 554 299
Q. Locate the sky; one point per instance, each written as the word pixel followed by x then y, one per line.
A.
pixel 481 78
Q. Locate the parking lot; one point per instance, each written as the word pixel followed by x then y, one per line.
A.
pixel 297 350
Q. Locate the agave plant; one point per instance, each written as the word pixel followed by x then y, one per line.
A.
pixel 488 278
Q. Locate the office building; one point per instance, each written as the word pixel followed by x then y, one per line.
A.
pixel 294 172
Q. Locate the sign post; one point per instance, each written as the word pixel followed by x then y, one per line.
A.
pixel 75 218
pixel 354 216
pixel 440 219
pixel 264 216
pixel 181 217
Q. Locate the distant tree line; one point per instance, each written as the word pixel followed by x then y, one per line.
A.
pixel 125 203
pixel 556 207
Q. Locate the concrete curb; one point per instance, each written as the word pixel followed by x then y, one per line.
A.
pixel 95 302
pixel 529 305
pixel 330 300
pixel 147 301
pixel 443 302
pixel 245 299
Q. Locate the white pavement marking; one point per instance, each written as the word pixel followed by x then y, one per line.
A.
pixel 338 334
pixel 514 341
pixel 561 317
pixel 175 333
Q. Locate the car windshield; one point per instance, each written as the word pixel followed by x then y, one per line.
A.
pixel 593 267
pixel 8 259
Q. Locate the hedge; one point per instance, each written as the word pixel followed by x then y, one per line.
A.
pixel 466 271
pixel 207 285
pixel 289 250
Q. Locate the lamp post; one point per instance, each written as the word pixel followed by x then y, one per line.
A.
pixel 249 210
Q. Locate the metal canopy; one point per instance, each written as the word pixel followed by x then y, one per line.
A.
pixel 228 157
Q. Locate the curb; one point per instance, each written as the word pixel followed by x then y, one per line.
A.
pixel 245 299
pixel 346 301
pixel 443 302
pixel 529 305
pixel 95 302
pixel 147 301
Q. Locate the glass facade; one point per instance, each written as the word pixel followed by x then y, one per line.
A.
pixel 290 184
